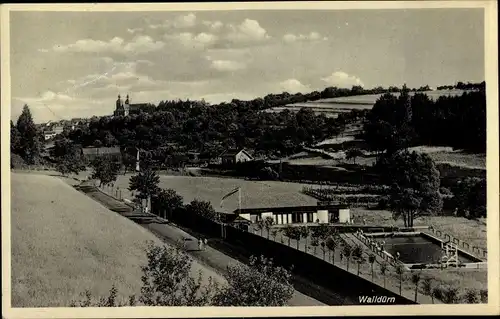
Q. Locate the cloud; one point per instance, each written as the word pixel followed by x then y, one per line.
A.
pixel 180 22
pixel 248 30
pixel 91 46
pixel 54 106
pixel 143 44
pixel 133 31
pixel 294 86
pixel 190 40
pixel 186 21
pixel 342 80
pixel 227 65
pixel 213 25
pixel 140 44
pixel 313 36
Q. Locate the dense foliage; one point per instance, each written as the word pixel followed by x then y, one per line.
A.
pixel 167 281
pixel 414 182
pixel 26 140
pixel 105 171
pixel 67 156
pixel 398 122
pixel 470 197
pixel 196 125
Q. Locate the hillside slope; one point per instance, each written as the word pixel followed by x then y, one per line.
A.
pixel 64 243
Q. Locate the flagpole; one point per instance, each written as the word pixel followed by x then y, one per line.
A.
pixel 239 201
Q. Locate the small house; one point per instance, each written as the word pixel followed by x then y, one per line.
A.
pixel 49 135
pixel 231 157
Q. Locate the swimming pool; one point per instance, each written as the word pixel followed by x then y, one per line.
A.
pixel 419 249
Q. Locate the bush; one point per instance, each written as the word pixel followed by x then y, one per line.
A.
pixel 167 282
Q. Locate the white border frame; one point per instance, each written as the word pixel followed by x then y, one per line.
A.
pixel 491 77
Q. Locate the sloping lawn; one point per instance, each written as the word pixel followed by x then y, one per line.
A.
pixel 64 243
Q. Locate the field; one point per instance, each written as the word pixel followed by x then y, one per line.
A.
pixel 454 158
pixel 372 98
pixel 254 194
pixel 64 243
pixel 332 107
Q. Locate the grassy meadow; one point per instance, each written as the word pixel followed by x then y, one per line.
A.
pixel 254 194
pixel 63 243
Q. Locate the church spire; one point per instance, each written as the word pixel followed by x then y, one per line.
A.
pixel 127 101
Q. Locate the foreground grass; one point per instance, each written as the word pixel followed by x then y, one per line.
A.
pixel 64 243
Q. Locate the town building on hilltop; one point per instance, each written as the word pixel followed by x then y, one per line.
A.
pixel 125 109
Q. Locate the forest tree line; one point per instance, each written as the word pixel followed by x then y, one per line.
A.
pixel 397 122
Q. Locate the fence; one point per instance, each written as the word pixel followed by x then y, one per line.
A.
pixel 318 271
pixel 476 251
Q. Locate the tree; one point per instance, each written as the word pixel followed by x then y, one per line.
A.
pixel 260 226
pixel 29 142
pixel 304 233
pixel 202 208
pixel 67 156
pixel 483 295
pixel 128 161
pixel 383 270
pixel 353 153
pixel 293 233
pixel 427 287
pixel 314 243
pixel 388 124
pixel 400 271
pixel 105 171
pixel 274 233
pixel 347 252
pixel 268 223
pixel 450 295
pixel 260 284
pixel 145 183
pixel 323 248
pixel 470 296
pixel 415 279
pixel 166 202
pixel 15 138
pixel 470 197
pixel 357 254
pixel 371 260
pixel 167 282
pixel 332 242
pixel 414 182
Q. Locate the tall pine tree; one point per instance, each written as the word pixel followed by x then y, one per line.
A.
pixel 29 141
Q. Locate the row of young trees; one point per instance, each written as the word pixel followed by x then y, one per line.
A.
pixel 329 240
pixel 398 122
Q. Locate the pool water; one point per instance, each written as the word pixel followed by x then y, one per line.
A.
pixel 416 250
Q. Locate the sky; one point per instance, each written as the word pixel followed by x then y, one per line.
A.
pixel 74 64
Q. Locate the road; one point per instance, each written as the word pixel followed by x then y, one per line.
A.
pixel 211 257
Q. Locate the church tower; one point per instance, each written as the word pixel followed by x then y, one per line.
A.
pixel 119 106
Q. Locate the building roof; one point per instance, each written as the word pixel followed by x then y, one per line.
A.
pixel 289 209
pixel 234 152
pixel 101 150
pixel 49 132
pixel 137 105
